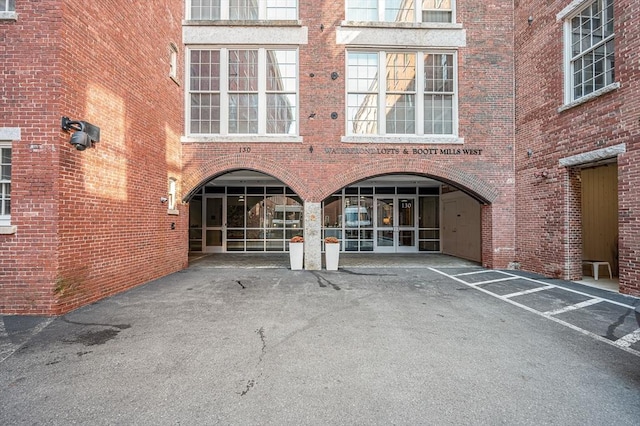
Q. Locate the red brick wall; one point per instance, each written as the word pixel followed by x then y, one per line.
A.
pixel 30 89
pixel 548 208
pixel 485 81
pixel 90 223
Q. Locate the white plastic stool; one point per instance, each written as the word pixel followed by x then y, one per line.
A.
pixel 595 267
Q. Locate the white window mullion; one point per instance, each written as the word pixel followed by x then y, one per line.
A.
pixel 381 10
pixel 568 64
pixel 382 93
pixel 419 93
pixel 455 94
pixel 262 91
pixel 417 11
pixel 224 91
pixel 262 11
pixel 187 94
pixel 224 10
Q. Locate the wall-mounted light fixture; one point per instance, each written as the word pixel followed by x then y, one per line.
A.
pixel 163 200
pixel 530 20
pixel 529 153
pixel 85 133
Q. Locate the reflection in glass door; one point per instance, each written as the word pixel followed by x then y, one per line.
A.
pixel 406 238
pixel 385 241
pixel 396 224
pixel 214 224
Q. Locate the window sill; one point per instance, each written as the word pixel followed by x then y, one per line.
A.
pixel 8 230
pixel 412 139
pixel 173 212
pixel 610 88
pixel 8 16
pixel 243 23
pixel 418 36
pixel 417 25
pixel 242 139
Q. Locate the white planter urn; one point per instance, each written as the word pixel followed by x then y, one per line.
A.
pixel 296 255
pixel 332 256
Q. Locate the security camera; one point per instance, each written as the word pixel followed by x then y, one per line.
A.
pixel 163 199
pixel 80 140
pixel 85 134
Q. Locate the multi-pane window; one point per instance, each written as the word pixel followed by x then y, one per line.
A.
pixel 5 185
pixel 243 91
pixel 400 10
pixel 592 49
pixel 7 5
pixel 401 93
pixel 244 10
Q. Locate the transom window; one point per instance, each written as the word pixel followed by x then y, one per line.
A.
pixel 243 91
pixel 384 97
pixel 400 10
pixel 590 47
pixel 250 10
pixel 7 5
pixel 5 185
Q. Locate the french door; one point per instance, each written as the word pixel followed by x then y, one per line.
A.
pixel 215 226
pixel 396 224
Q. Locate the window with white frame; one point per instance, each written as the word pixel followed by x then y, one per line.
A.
pixel 590 49
pixel 173 61
pixel 7 5
pixel 243 91
pixel 401 93
pixel 172 194
pixel 243 10
pixel 400 10
pixel 5 185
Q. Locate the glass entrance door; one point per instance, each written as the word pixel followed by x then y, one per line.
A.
pixel 214 224
pixel 396 221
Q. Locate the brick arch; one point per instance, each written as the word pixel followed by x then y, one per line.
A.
pixel 468 182
pixel 204 172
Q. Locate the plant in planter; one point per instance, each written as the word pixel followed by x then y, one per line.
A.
pixel 296 252
pixel 331 253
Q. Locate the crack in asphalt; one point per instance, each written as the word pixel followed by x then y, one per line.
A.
pixel 320 280
pixel 263 351
pixel 365 274
pixel 263 339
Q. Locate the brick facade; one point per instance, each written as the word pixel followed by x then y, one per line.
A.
pixel 548 196
pixel 322 163
pixel 89 224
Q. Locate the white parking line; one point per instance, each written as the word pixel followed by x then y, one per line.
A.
pixel 574 307
pixel 623 346
pixel 629 339
pixel 484 271
pixel 494 281
pixel 6 347
pixel 532 290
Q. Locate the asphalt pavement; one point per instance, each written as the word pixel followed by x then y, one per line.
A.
pixel 363 345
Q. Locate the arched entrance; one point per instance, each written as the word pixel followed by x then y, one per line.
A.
pixel 404 214
pixel 250 211
pixel 244 211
